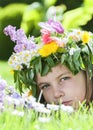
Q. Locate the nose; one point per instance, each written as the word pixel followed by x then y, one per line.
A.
pixel 58 92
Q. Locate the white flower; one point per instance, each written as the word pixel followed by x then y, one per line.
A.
pixel 17 60
pixel 53 107
pixel 68 109
pixel 36 104
pixel 42 110
pixel 75 35
pixel 18 113
pixel 44 119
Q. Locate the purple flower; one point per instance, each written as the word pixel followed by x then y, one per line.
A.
pixel 52 26
pixel 11 31
pixel 16 95
pixel 21 37
pixel 30 44
pixel 19 47
pixel 18 36
pixel 56 26
pixel 2 95
pixel 3 84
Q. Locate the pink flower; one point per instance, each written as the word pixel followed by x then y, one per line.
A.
pixel 46 36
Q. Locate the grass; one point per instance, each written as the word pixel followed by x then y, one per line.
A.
pixel 6 72
pixel 79 120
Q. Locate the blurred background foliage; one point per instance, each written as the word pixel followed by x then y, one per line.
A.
pixel 27 13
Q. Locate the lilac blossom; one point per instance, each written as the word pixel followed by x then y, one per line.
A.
pixel 19 37
pixel 52 26
pixel 30 44
pixel 19 47
pixel 11 31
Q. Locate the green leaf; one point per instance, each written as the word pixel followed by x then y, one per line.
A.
pixel 85 49
pixel 91 57
pixel 91 47
pixel 19 84
pixel 71 65
pixel 45 69
pixel 15 75
pixel 82 66
pixel 76 59
pixel 34 90
pixel 31 73
pixel 37 64
pixel 63 58
pixel 60 50
pixel 50 61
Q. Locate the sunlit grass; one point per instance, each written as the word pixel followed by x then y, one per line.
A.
pixel 6 72
pixel 80 120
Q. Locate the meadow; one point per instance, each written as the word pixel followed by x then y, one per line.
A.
pixel 24 118
pixel 6 72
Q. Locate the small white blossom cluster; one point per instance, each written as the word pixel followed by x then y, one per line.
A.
pixel 17 60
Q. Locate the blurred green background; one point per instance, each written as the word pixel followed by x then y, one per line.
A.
pixel 27 13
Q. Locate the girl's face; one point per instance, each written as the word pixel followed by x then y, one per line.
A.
pixel 61 85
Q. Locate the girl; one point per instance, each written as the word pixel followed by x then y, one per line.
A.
pixel 59 63
pixel 61 85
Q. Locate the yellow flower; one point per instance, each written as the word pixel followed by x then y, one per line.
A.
pixel 48 49
pixel 85 37
pixel 12 72
pixel 29 93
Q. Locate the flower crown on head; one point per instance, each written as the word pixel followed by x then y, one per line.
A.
pixel 55 45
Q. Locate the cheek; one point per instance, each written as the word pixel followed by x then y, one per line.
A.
pixel 77 91
pixel 48 95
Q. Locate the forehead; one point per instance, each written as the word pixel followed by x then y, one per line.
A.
pixel 54 73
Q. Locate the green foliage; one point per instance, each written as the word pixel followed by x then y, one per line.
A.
pixel 80 16
pixel 28 16
pixel 31 16
pixel 49 3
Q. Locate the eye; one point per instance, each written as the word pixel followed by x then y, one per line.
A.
pixel 45 86
pixel 64 78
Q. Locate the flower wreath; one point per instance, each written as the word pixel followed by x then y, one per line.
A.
pixel 38 55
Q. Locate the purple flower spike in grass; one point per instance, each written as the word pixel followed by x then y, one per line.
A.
pixel 3 84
